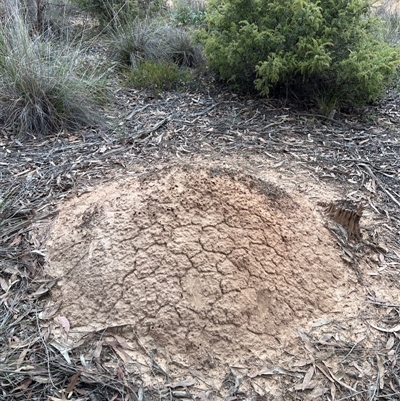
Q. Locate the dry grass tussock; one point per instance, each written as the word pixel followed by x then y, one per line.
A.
pixel 154 40
pixel 45 86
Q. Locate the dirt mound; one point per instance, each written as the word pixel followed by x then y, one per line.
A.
pixel 196 262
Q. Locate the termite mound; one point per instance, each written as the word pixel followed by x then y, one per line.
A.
pixel 195 261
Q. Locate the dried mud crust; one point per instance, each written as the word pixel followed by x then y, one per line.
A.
pixel 196 262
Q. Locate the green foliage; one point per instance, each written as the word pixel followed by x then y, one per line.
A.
pixel 158 76
pixel 188 12
pixel 41 89
pixel 186 17
pixel 325 49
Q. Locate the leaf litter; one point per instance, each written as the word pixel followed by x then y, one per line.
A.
pixel 359 154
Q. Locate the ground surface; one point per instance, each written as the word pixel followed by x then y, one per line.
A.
pixel 200 264
pixel 232 282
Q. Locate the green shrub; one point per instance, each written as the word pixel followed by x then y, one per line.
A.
pixel 327 50
pixel 188 12
pixel 158 76
pixel 43 88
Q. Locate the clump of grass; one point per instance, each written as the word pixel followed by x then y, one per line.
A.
pixel 181 48
pixel 158 55
pixel 112 12
pixel 158 76
pixel 44 88
pixel 140 40
pixel 108 12
pixel 154 40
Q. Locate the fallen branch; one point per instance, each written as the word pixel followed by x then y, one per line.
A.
pixel 141 135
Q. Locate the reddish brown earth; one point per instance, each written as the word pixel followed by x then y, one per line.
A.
pixel 203 266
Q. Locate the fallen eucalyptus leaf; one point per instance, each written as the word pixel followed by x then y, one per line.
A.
pixel 63 350
pixel 392 330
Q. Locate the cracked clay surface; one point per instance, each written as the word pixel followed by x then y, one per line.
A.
pixel 195 261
